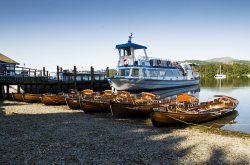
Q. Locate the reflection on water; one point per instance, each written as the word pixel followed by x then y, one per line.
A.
pixel 235 87
pixel 172 92
pixel 224 83
pixel 221 122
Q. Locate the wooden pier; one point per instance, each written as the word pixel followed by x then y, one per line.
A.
pixel 40 81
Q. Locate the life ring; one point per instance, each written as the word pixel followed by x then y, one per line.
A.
pixel 125 61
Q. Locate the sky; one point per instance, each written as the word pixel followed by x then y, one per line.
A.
pixel 83 33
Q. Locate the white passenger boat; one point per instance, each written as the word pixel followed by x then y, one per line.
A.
pixel 135 72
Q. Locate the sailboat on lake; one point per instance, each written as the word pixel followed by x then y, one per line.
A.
pixel 219 75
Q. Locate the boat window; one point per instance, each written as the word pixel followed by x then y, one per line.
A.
pixel 169 73
pixel 124 72
pixel 162 73
pixel 153 72
pixel 144 72
pixel 175 72
pixel 126 52
pixel 135 72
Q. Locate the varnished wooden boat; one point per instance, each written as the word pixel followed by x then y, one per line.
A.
pixel 98 102
pixel 53 99
pixel 32 98
pixel 193 113
pixel 140 106
pixel 132 106
pixel 73 102
pixel 17 96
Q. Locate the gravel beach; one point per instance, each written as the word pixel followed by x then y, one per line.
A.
pixel 39 134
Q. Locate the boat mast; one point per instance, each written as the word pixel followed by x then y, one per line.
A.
pixel 220 69
pixel 131 48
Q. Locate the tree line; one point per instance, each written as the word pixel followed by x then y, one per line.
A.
pixel 228 69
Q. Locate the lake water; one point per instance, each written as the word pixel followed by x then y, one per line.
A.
pixel 238 88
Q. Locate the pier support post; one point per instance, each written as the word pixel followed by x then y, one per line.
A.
pixel 30 88
pixel 92 77
pixel 43 73
pixel 18 88
pixel 1 91
pixel 7 91
pixel 58 81
pixel 75 78
pixel 47 73
pixel 25 88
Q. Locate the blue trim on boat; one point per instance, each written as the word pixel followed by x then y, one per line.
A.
pixel 144 79
pixel 141 66
pixel 130 44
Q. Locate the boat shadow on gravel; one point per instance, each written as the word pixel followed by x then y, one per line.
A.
pixel 79 138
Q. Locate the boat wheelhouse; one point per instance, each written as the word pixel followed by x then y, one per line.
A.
pixel 140 72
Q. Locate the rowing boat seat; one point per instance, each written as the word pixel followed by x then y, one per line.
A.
pixel 149 96
pixel 186 98
pixel 87 91
pixel 108 92
pixel 123 94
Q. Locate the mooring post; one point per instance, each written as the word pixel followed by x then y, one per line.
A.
pixel 75 78
pixel 92 77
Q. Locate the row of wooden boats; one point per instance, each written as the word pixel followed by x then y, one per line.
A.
pixel 183 109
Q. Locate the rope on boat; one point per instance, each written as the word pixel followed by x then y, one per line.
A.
pixel 187 122
pixel 200 125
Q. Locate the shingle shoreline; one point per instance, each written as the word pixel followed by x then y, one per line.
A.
pixel 38 134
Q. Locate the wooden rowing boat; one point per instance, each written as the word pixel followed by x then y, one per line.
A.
pixel 32 98
pixel 73 102
pixel 193 113
pixel 97 102
pixel 132 106
pixel 53 99
pixel 17 96
pixel 139 106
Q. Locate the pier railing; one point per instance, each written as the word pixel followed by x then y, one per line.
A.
pixel 28 75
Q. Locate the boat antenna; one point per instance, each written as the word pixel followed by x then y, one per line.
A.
pixel 130 37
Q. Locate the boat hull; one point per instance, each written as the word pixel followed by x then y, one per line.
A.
pixel 159 118
pixel 129 110
pixel 53 100
pixel 17 96
pixel 91 106
pixel 73 103
pixel 32 98
pixel 147 84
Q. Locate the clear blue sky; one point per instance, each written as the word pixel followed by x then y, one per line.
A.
pixel 84 33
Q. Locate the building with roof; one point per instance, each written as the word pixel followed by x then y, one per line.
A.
pixel 7 65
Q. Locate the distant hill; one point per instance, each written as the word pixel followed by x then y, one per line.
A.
pixel 223 60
